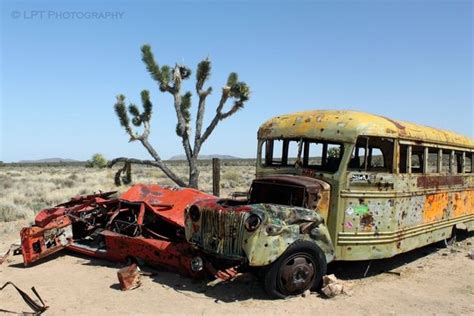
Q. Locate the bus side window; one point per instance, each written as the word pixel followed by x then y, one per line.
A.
pixel 445 161
pixel 457 162
pixel 359 154
pixel 417 159
pixel 372 154
pixel 432 160
pixel 380 154
pixel 403 164
pixel 468 163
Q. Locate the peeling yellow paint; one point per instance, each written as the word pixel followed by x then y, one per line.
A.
pixel 348 125
pixel 436 207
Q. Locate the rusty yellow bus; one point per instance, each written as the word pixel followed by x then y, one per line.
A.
pixel 394 186
pixel 338 185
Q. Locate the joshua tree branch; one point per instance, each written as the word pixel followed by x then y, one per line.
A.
pixel 217 117
pixel 199 119
pixel 183 130
pixel 169 173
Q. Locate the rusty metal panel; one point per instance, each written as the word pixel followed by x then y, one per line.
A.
pixel 223 229
pixel 409 214
pixel 119 229
pixel 170 202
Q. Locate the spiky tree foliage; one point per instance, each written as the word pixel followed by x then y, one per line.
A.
pixel 169 80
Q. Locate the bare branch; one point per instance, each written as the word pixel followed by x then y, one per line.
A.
pixel 217 117
pixel 159 164
pixel 183 133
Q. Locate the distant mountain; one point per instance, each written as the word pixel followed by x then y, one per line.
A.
pixel 204 157
pixel 48 160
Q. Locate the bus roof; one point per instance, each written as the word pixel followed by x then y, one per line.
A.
pixel 346 126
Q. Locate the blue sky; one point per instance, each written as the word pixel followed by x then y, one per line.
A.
pixel 406 60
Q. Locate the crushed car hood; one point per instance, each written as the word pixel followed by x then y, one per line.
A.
pixel 169 202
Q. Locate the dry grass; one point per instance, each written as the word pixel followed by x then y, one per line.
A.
pixel 24 191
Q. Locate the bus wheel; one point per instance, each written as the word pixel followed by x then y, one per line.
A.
pixel 300 268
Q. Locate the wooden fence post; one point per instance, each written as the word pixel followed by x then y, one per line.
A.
pixel 216 176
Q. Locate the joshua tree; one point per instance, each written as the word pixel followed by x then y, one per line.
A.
pixel 169 80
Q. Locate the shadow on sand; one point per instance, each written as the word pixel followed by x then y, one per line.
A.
pixel 246 286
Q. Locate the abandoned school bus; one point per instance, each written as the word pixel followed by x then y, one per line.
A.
pixel 339 185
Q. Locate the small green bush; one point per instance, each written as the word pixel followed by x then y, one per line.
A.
pixel 97 161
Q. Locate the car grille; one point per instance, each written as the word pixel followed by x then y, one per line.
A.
pixel 222 232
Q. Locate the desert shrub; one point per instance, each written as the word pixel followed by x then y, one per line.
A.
pixel 231 175
pixel 97 161
pixel 11 212
pixel 68 183
pixel 63 183
pixel 7 185
pixel 39 206
pixel 73 176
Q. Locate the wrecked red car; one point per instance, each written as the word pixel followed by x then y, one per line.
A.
pixel 146 223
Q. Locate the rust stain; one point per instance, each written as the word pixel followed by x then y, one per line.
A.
pixel 401 128
pixel 323 204
pixel 462 203
pixel 437 181
pixel 367 221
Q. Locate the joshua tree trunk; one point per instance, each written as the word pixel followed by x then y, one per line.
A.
pixel 193 174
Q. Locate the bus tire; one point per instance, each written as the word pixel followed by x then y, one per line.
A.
pixel 300 268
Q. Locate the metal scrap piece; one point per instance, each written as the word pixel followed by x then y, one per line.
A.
pixel 129 277
pixel 35 306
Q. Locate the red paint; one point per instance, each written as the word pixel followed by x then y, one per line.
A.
pixel 169 202
pixel 155 203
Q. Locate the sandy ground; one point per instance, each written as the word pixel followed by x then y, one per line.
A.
pixel 426 281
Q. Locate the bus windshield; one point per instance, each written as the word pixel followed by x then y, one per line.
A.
pixel 315 154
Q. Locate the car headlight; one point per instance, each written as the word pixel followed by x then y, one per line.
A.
pixel 194 213
pixel 252 222
pixel 197 264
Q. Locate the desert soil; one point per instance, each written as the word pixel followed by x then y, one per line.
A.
pixel 429 280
